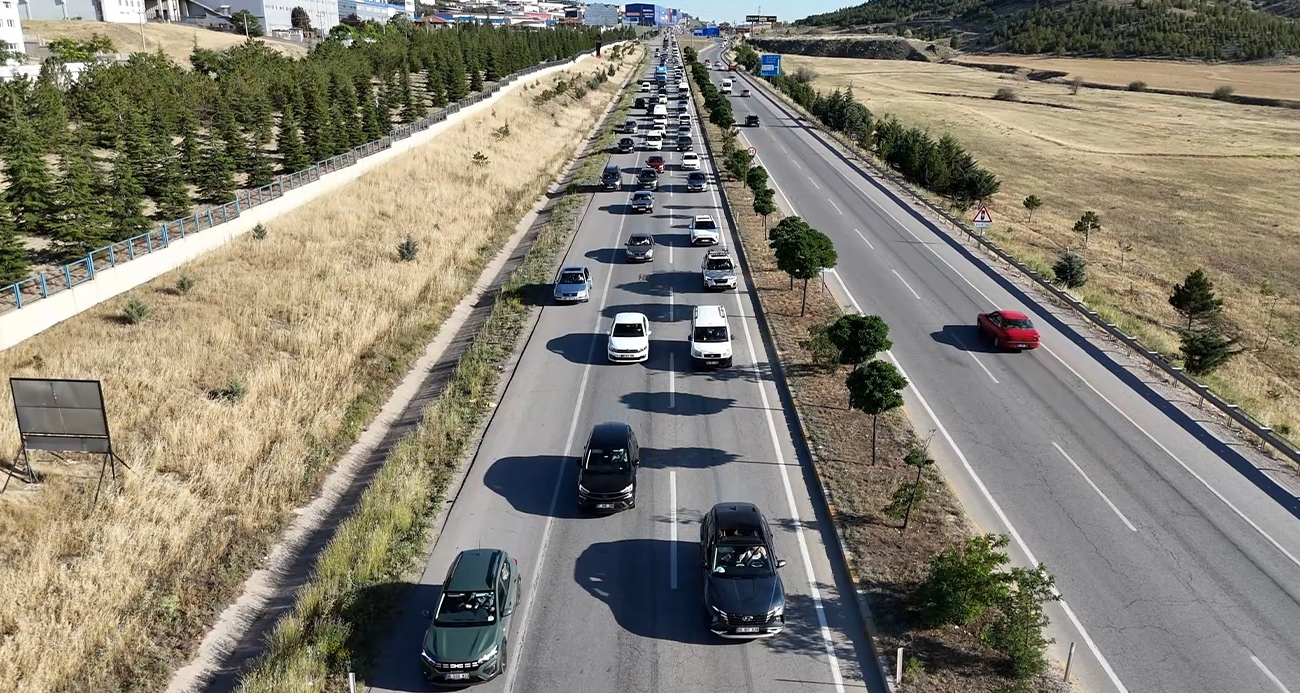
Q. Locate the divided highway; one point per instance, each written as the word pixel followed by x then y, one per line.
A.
pixel 1179 573
pixel 614 603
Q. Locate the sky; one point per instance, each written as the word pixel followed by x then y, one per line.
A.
pixel 735 10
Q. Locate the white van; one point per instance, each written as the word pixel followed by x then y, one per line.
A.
pixel 710 337
pixel 726 86
pixel 660 110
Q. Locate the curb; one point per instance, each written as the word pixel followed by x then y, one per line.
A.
pixel 804 437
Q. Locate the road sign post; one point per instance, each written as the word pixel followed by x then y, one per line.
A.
pixel 983 219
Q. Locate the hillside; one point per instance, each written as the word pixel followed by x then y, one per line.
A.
pixel 174 40
pixel 1207 29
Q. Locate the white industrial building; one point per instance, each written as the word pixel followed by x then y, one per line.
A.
pixel 276 15
pixel 375 10
pixel 11 26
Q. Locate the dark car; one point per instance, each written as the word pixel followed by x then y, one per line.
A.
pixel 640 102
pixel 629 126
pixel 696 181
pixel 663 89
pixel 682 97
pixel 612 177
pixel 640 248
pixel 648 179
pixel 607 468
pixel 468 641
pixel 643 201
pixel 743 593
pixel 684 143
pixel 751 120
pixel 626 144
pixel 657 163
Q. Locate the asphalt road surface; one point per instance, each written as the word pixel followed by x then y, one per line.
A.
pixel 614 603
pixel 1177 559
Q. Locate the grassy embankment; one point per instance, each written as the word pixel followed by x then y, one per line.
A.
pixel 233 398
pixel 886 563
pixel 1179 183
pixel 176 41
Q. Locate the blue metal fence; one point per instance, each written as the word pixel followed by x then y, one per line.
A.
pixel 24 293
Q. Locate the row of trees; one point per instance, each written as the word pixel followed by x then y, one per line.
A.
pixel 1172 28
pixel 941 166
pixel 103 157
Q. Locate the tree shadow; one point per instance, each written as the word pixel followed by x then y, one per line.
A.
pixel 685 458
pixel 528 482
pixel 672 282
pixel 676 403
pixel 965 338
pixel 533 294
pixel 399 609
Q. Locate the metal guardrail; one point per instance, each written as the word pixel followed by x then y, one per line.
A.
pixel 22 294
pixel 1153 357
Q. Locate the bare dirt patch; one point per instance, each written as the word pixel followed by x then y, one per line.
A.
pixel 886 563
pixel 176 41
pixel 1184 183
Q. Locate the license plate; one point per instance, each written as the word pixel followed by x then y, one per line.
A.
pixel 747 629
pixel 458 676
pixel 604 505
pixel 711 363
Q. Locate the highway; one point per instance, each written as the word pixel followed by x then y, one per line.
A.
pixel 614 603
pixel 1179 572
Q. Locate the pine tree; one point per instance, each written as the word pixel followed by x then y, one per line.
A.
pixel 433 84
pixel 190 148
pixel 315 125
pixel 227 128
pixel 28 196
pixel 410 107
pixel 14 263
pixel 133 144
pixel 475 78
pixel 124 193
pixel 293 155
pixel 258 128
pixel 454 77
pixel 371 128
pixel 46 110
pixel 1195 300
pixel 216 184
pixel 389 100
pixel 343 101
pixel 78 223
pixel 173 197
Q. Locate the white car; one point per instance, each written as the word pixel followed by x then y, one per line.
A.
pixel 684 119
pixel 645 86
pixel 690 161
pixel 629 338
pixel 660 122
pixel 654 141
pixel 704 230
pixel 682 85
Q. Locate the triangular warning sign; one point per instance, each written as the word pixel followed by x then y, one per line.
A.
pixel 983 216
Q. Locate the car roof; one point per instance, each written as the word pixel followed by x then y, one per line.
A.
pixel 629 317
pixel 612 167
pixel 641 234
pixel 694 174
pixel 710 316
pixel 609 434
pixel 641 193
pixel 717 251
pixel 745 517
pixel 1013 315
pixel 690 154
pixel 702 217
pixel 574 268
pixel 474 571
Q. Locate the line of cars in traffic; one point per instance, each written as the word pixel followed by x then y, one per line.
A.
pixel 468 638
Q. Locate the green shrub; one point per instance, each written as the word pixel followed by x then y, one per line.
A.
pixel 1070 270
pixel 232 392
pixel 1017 632
pixel 184 284
pixel 1137 85
pixel 1222 92
pixel 1006 94
pixel 408 249
pixel 964 581
pixel 259 231
pixel 136 311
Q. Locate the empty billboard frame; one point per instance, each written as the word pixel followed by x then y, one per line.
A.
pixel 58 415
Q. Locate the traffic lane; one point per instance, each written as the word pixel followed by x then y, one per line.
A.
pixel 1121 433
pixel 1181 439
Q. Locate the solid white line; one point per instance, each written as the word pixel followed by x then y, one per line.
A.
pixel 1084 474
pixel 559 478
pixel 1269 674
pixel 986 369
pixel 837 207
pixel 864 239
pixel 672 544
pixel 909 286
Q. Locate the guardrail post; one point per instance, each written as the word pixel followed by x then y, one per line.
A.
pixel 45 289
pixel 167 241
pixel 67 276
pixel 90 265
pixel 18 295
pixel 148 241
pixel 236 206
pixel 130 250
pixel 1068 661
pixel 112 257
pixel 209 217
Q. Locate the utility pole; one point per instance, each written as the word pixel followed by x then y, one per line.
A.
pixel 143 46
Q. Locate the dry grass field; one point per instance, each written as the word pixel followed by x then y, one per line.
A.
pixel 175 40
pixel 314 321
pixel 1269 81
pixel 1183 182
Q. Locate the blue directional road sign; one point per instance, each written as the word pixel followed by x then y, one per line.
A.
pixel 771 65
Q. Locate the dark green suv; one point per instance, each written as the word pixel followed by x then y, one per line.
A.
pixel 467 641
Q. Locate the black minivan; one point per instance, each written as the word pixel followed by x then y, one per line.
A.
pixel 612 177
pixel 607 468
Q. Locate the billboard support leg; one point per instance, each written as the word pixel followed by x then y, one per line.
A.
pixel 111 460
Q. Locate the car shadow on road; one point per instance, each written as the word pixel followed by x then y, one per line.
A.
pixel 627 577
pixel 528 484
pixel 664 283
pixel 678 237
pixel 965 338
pixel 657 312
pixel 580 347
pixel 678 403
pixel 607 256
pixel 396 667
pixel 685 458
pixel 619 208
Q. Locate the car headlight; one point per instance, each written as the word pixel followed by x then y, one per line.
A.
pixel 697 352
pixel 626 490
pixel 428 657
pixel 776 612
pixel 718 611
pixel 583 489
pixel 487 657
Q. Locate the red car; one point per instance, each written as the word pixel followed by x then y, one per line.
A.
pixel 1010 329
pixel 656 162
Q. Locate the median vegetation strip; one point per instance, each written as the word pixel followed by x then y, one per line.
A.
pixel 232 398
pixel 358 579
pixel 910 547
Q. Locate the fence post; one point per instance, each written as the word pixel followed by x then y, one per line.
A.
pixel 167 241
pixel 236 207
pixel 67 277
pixel 45 289
pixel 209 217
pixel 90 265
pixel 148 241
pixel 112 257
pixel 18 295
pixel 130 250
pixel 1068 661
pixel 898 668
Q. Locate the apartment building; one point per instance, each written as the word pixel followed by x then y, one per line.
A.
pixel 11 26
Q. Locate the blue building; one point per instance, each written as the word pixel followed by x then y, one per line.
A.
pixel 649 15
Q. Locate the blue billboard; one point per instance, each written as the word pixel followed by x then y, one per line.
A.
pixel 770 65
pixel 706 31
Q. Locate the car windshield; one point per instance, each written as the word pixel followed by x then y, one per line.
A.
pixel 705 224
pixel 718 263
pixel 695 176
pixel 607 461
pixel 710 334
pixel 1019 324
pixel 741 561
pixel 649 173
pixel 629 329
pixel 639 240
pixel 467 609
pixel 571 278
